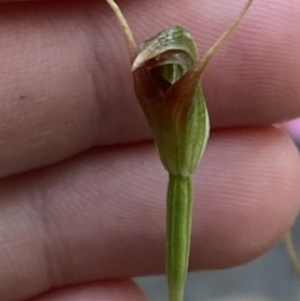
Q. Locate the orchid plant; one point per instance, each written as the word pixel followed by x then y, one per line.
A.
pixel 167 72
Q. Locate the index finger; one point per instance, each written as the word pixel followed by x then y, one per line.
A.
pixel 66 84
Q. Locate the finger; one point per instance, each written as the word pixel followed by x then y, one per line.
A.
pixel 65 80
pixel 102 214
pixel 114 290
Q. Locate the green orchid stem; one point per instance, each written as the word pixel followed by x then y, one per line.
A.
pixel 179 217
pixel 292 251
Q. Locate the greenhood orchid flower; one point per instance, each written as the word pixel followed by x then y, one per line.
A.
pixel 166 74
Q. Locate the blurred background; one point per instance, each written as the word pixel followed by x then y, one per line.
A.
pixel 272 277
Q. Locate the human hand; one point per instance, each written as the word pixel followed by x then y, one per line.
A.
pixel 87 216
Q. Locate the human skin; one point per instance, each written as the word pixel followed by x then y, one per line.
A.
pixel 82 191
